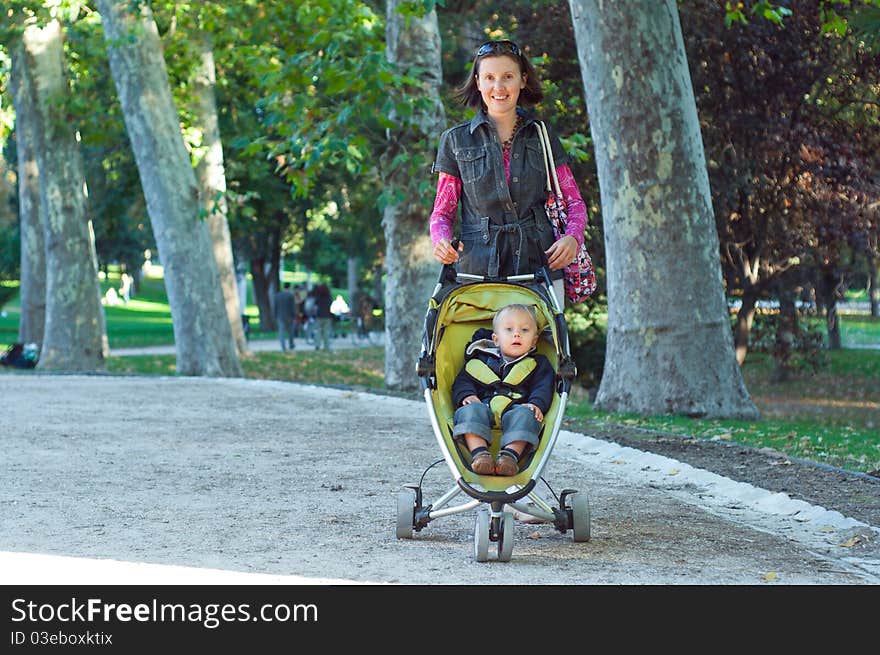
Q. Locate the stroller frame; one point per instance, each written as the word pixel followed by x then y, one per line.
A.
pixel 494 496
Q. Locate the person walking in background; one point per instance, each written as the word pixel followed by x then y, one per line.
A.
pixel 299 294
pixel 284 309
pixel 126 282
pixel 324 316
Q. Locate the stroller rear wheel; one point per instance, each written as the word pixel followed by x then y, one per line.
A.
pixel 481 536
pixel 406 505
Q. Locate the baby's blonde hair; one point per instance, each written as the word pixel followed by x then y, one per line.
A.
pixel 514 307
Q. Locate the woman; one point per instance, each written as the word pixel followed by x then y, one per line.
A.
pixel 494 166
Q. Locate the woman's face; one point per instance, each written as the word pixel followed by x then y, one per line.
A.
pixel 500 81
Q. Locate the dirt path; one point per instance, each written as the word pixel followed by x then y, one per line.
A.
pixel 191 480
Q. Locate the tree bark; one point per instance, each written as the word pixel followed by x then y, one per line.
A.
pixel 786 334
pixel 874 284
pixel 32 290
pixel 202 333
pixel 73 336
pixel 743 328
pixel 411 269
pixel 212 186
pixel 265 283
pixel 826 289
pixel 669 343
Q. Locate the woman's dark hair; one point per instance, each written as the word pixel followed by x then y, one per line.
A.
pixel 468 93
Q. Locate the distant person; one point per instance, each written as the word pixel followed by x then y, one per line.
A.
pixel 324 316
pixel 284 308
pixel 125 289
pixel 299 294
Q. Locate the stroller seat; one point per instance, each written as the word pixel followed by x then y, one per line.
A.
pixel 460 305
pixel 466 312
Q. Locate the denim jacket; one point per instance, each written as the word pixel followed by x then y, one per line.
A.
pixel 504 228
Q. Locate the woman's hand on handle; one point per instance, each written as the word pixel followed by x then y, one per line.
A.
pixel 445 253
pixel 561 253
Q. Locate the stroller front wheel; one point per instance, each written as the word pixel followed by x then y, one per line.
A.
pixel 505 537
pixel 580 517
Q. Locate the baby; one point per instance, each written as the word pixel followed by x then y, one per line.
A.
pixel 503 383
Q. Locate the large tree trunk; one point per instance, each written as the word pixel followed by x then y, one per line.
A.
pixel 412 270
pixel 31 214
pixel 73 337
pixel 670 346
pixel 212 186
pixel 202 333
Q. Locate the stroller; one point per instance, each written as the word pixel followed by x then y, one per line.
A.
pixel 460 305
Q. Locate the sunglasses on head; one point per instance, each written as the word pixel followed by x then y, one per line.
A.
pixel 497 48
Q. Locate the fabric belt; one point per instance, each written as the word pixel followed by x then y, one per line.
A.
pixel 489 233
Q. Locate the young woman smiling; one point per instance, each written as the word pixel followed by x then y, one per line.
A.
pixel 493 167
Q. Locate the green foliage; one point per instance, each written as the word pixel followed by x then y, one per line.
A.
pixel 10 250
pixel 8 289
pixel 865 24
pixel 805 352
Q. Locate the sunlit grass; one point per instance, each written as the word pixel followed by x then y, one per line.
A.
pixel 845 446
pixel 354 367
pixel 858 330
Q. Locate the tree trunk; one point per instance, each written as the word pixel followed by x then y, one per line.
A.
pixel 874 284
pixel 744 319
pixel 351 279
pixel 786 334
pixel 31 214
pixel 202 333
pixel 411 268
pixel 826 290
pixel 264 278
pixel 669 342
pixel 73 336
pixel 212 186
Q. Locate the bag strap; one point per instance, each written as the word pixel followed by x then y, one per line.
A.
pixel 549 163
pixel 538 125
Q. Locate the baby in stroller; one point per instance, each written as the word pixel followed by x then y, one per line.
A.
pixel 495 463
pixel 503 383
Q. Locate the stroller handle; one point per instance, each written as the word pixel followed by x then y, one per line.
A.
pixel 448 273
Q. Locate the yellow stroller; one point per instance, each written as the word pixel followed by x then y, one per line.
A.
pixel 460 305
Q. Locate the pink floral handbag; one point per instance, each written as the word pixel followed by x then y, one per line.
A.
pixel 580 276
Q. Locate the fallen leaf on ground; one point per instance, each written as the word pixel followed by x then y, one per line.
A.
pixel 534 535
pixel 852 541
pixel 770 576
pixel 672 472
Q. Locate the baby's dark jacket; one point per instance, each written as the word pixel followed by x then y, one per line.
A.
pixel 538 385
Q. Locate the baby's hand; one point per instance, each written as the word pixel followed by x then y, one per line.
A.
pixel 470 399
pixel 539 415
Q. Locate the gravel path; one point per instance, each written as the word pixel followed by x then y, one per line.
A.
pixel 183 480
